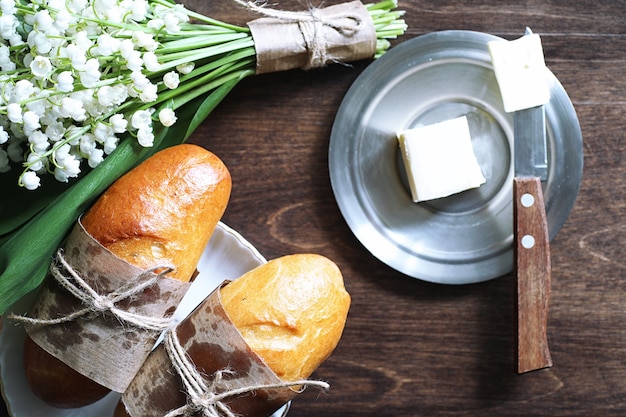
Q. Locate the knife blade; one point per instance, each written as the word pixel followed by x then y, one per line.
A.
pixel 532 251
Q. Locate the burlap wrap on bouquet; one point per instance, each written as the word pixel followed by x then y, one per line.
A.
pixel 339 33
pixel 219 354
pixel 101 345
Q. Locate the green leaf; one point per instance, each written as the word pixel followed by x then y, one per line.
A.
pixel 18 204
pixel 208 104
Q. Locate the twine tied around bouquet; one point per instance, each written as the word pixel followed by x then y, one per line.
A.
pixel 312 38
pixel 311 15
pixel 203 396
pixel 96 303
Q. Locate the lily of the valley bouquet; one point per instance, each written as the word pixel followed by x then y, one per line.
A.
pixel 90 88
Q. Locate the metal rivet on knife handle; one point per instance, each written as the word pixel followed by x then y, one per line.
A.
pixel 533 275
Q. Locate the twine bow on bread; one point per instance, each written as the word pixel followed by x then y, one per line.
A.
pixel 206 397
pixel 96 303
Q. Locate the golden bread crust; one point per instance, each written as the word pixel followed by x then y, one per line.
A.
pixel 291 312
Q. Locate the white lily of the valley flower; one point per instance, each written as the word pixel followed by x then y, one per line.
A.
pixel 65 81
pixel 151 61
pixel 31 122
pixel 171 80
pixel 30 180
pixel 24 89
pixel 95 158
pixel 144 40
pixel 107 44
pixel 134 62
pixel 185 68
pixel 63 20
pixel 141 119
pixel 145 137
pixel 38 141
pixel 102 131
pixel 167 117
pixel 110 144
pixel 39 42
pixel 138 10
pixel 42 21
pixel 82 40
pixel 14 112
pixel 35 163
pixel 87 144
pixel 118 123
pixel 55 131
pixel 149 93
pixel 8 26
pixel 172 23
pixel 7 7
pixel 72 108
pixel 91 73
pixel 41 67
pixel 66 168
pixel 76 55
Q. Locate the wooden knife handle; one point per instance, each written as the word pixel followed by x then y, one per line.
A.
pixel 532 257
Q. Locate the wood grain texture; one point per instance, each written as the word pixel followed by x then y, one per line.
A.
pixel 533 275
pixel 411 348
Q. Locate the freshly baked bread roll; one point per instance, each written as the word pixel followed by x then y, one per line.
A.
pixel 290 311
pixel 161 212
pixel 164 211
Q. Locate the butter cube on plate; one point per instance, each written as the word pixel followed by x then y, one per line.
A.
pixel 439 159
pixel 520 70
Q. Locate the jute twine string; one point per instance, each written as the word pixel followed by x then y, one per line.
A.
pixel 311 24
pixel 203 396
pixel 96 303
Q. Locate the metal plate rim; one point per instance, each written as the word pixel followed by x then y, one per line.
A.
pixel 370 88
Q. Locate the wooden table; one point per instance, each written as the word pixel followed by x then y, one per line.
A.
pixel 412 348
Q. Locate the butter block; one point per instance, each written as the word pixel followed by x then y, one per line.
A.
pixel 439 159
pixel 521 72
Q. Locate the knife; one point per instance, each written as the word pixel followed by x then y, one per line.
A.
pixel 532 252
pixel 519 68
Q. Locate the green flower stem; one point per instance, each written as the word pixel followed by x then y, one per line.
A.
pixel 382 5
pixel 192 81
pixel 204 53
pixel 199 40
pixel 210 82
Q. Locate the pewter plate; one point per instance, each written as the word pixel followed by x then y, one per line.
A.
pixel 227 256
pixel 467 237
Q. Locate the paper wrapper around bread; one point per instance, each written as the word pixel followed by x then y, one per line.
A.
pixel 213 344
pixel 100 346
pixel 339 33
